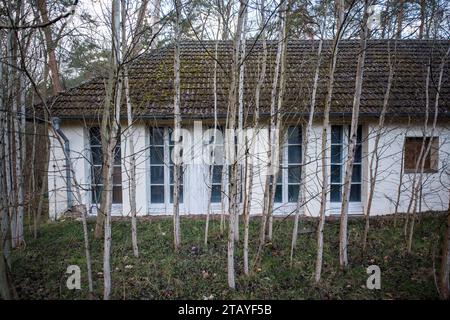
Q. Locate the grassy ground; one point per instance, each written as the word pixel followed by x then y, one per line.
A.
pixel 197 272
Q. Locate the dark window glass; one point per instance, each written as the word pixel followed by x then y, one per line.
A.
pixel 336 153
pixel 157 136
pixel 216 193
pixel 117 194
pixel 94 136
pixel 117 175
pixel 335 193
pixel 336 134
pixel 217 174
pixel 157 174
pixel 293 192
pixel 355 193
pixel 294 174
pixel 356 173
pixel 96 155
pixel 157 194
pixel 336 173
pixel 96 194
pixel 157 155
pixel 294 154
pixel 294 135
pixel 278 194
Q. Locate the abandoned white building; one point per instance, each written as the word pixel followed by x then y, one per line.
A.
pixel 77 114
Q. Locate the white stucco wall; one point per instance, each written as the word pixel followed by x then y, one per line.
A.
pixel 435 196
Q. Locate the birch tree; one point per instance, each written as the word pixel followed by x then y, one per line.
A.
pixel 324 137
pixel 232 126
pixel 109 134
pixel 249 166
pixel 305 155
pixel 343 255
pixel 131 53
pixel 177 130
pixel 375 157
pixel 418 185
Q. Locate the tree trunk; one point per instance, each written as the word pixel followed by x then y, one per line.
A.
pixel 232 107
pixel 177 130
pixel 374 161
pixel 109 140
pixel 305 155
pixel 343 255
pixel 51 46
pixel 324 148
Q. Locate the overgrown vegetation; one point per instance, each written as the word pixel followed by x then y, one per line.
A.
pixel 197 272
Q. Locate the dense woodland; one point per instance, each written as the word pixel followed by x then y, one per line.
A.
pixel 50 46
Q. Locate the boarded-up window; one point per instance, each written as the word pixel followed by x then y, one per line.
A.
pixel 413 146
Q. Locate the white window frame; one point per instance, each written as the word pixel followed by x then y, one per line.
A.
pixel 286 207
pixel 116 208
pixel 166 207
pixel 355 207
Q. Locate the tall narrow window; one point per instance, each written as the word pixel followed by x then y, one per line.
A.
pixel 294 145
pixel 338 153
pixel 97 164
pixel 218 153
pixel 157 176
pixel 289 174
pixel 162 166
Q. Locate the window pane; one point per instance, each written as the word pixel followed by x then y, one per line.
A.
pixel 355 193
pixel 96 194
pixel 336 134
pixel 156 155
pixel 293 193
pixel 117 194
pixel 359 134
pixel 216 193
pixel 336 173
pixel 356 173
pixel 336 153
pixel 358 153
pixel 97 175
pixel 278 194
pixel 96 155
pixel 180 194
pixel 94 135
pixel 117 155
pixel 117 175
pixel 294 154
pixel 294 135
pixel 157 174
pixel 157 136
pixel 294 174
pixel 335 193
pixel 157 194
pixel 217 174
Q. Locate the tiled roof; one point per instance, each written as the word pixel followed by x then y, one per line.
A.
pixel 151 80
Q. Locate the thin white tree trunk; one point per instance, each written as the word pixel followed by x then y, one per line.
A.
pixel 233 104
pixel 305 155
pixel 177 129
pixel 428 149
pixel 109 141
pixel 259 86
pixel 374 160
pixel 324 148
